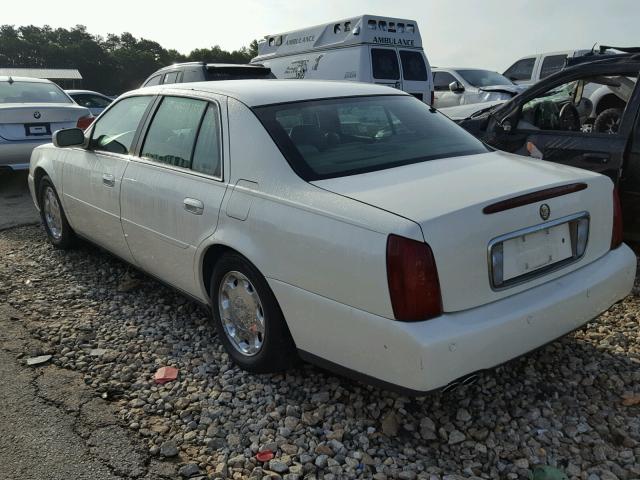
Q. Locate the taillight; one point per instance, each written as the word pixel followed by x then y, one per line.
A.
pixel 433 98
pixel 413 280
pixel 85 122
pixel 617 230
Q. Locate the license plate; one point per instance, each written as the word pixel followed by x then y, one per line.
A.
pixel 38 130
pixel 527 253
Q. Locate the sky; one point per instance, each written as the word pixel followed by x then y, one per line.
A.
pixel 462 33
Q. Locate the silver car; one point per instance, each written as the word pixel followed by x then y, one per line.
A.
pixel 466 86
pixel 31 109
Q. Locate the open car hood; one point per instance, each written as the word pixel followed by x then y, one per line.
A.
pixel 512 89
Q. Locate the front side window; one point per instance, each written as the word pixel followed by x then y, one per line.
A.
pixel 115 130
pixel 347 136
pixel 413 67
pixel 32 92
pixel 552 64
pixel 521 70
pixel 385 64
pixel 568 107
pixel 484 78
pixel 442 80
pixel 153 81
pixel 172 134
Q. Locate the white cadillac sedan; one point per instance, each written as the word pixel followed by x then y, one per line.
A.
pixel 346 223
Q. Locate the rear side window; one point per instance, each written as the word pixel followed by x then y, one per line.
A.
pixel 413 67
pixel 193 75
pixel 206 156
pixel 347 136
pixel 115 130
pixel 385 64
pixel 552 64
pixel 441 81
pixel 171 77
pixel 172 134
pixel 153 81
pixel 521 70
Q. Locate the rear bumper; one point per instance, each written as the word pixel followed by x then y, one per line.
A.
pixel 423 356
pixel 16 155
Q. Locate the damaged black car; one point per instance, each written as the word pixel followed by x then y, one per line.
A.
pixel 584 116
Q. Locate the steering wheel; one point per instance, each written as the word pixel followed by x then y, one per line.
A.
pixel 569 118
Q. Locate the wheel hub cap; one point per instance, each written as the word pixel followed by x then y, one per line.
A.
pixel 241 313
pixel 52 214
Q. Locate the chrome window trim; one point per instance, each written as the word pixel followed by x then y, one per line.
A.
pixel 150 161
pixel 541 271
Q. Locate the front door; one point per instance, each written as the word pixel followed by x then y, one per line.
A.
pixel 385 67
pixel 172 191
pixel 92 177
pixel 443 95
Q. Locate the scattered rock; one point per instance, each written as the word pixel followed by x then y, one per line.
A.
pixel 40 360
pixel 189 470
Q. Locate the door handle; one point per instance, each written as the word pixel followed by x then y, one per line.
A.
pixel 193 205
pixel 108 180
pixel 602 158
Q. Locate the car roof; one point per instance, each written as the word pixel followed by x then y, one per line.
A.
pixel 72 92
pixel 603 59
pixel 436 69
pixel 254 93
pixel 5 78
pixel 176 66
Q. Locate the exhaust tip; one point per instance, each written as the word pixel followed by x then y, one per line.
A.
pixel 467 380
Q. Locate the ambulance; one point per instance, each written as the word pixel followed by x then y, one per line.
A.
pixel 368 48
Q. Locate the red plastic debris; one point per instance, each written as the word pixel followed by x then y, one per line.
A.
pixel 264 456
pixel 166 374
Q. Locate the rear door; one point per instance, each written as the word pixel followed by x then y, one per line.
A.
pixel 385 67
pixel 173 188
pixel 415 75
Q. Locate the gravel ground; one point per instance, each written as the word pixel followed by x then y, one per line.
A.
pixel 570 405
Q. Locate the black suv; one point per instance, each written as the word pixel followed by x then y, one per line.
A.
pixel 553 121
pixel 206 72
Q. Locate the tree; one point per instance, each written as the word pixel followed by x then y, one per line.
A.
pixel 112 65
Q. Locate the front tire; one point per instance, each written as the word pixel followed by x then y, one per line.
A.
pixel 248 318
pixel 53 217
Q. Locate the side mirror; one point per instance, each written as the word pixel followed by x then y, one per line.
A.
pixel 70 137
pixel 456 87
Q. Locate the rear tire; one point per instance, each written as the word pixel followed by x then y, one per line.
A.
pixel 248 318
pixel 55 222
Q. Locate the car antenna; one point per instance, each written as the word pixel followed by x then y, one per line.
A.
pixel 10 80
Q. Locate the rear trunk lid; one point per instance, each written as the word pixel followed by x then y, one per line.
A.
pixel 25 121
pixel 446 198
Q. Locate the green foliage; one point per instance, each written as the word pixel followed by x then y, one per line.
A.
pixel 112 65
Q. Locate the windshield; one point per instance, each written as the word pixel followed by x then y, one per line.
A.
pixel 346 136
pixel 484 78
pixel 32 92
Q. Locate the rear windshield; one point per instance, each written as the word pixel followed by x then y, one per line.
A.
pixel 32 92
pixel 346 136
pixel 484 78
